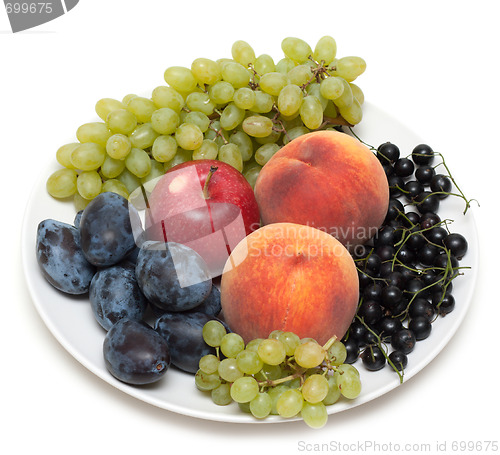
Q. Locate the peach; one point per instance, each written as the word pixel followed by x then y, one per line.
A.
pixel 328 180
pixel 289 277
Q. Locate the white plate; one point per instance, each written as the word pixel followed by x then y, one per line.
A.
pixel 72 323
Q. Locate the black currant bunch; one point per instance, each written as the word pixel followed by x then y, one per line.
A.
pixel 406 271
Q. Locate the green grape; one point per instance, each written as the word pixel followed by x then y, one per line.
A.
pixel 275 334
pixel 228 370
pixel 79 202
pixel 265 152
pixel 261 405
pixel 143 136
pixel 271 138
pixel 106 105
pixel 206 381
pixel 249 362
pixel 245 407
pixel 331 88
pixel 309 354
pixel 165 120
pixel 115 186
pixel 271 351
pixel 325 50
pixel 236 74
pixel 258 126
pixel 199 119
pixel 348 381
pixel 89 184
pixel 251 175
pixel 314 89
pixel 274 393
pixel 188 136
pixel 231 117
pixel 130 181
pixel 138 162
pixel 295 133
pixel 182 156
pixel 330 110
pixel 263 102
pixel 300 75
pixel 232 344
pixel 296 49
pixel 112 167
pixel 142 108
pixel 242 53
pixel 180 78
pixel 205 71
pixel 97 132
pixel 311 112
pixel 357 93
pixel 164 148
pixel 164 96
pixel 221 92
pixel 209 363
pixel 285 65
pixel 315 415
pixel 263 64
pixel 270 372
pixel 118 146
pixel 290 99
pixel 347 98
pixel 88 156
pixel 290 340
pixel 230 154
pixel 208 150
pixel 157 170
pixel 244 143
pixel 201 102
pixel 221 395
pixel 336 353
pixel 252 345
pixel 349 68
pixel 244 389
pixel 315 388
pixel 62 183
pixel 63 154
pixel 127 98
pixel 213 332
pixel 289 403
pixel 244 98
pixel 224 61
pixel 121 121
pixel 273 82
pixel 333 394
pixel 352 113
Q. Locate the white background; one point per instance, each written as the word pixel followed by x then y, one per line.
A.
pixel 433 65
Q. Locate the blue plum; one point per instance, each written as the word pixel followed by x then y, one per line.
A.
pixel 107 227
pixel 173 277
pixel 61 259
pixel 183 334
pixel 211 305
pixel 135 353
pixel 114 294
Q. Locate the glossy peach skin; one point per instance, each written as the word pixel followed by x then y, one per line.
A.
pixel 328 180
pixel 289 277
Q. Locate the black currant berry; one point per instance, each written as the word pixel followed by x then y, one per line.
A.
pixel 427 202
pixel 413 188
pixel 388 152
pixel 373 358
pixel 403 340
pixel 422 154
pixel 351 346
pixel 421 327
pixel 424 174
pixel 441 184
pixel 457 244
pixel 404 167
pixel 399 360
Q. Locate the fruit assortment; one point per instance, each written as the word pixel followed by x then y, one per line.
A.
pixel 302 285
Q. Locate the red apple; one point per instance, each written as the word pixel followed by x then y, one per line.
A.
pixel 206 205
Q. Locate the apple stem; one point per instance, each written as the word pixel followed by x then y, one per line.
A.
pixel 209 176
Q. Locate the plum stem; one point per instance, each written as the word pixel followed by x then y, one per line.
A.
pixel 209 177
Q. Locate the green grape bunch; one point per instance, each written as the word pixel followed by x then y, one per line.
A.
pixel 240 110
pixel 280 375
